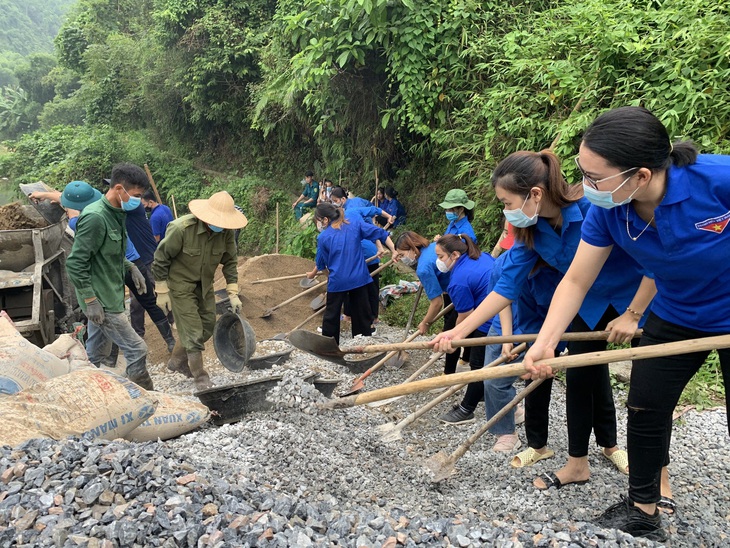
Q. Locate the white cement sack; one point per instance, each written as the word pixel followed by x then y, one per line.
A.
pixel 88 402
pixel 23 364
pixel 174 416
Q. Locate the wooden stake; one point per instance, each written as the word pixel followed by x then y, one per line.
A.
pixel 152 182
pixel 174 209
pixel 277 227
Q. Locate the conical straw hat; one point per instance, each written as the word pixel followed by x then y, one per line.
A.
pixel 218 210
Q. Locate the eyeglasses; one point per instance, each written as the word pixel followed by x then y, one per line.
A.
pixel 593 183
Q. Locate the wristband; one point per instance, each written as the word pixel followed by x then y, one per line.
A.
pixel 634 312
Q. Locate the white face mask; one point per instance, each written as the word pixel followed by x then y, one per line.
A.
pixel 519 219
pixel 408 261
pixel 442 266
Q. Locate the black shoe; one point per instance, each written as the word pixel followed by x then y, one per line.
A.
pixel 458 415
pixel 628 518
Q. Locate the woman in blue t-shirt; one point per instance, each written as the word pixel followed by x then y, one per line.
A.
pixel 340 252
pixel 394 207
pixel 668 208
pixel 418 253
pixel 459 212
pixel 469 284
pixel 547 215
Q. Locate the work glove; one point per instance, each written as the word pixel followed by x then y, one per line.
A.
pixel 95 312
pixel 138 280
pixel 234 299
pixel 163 297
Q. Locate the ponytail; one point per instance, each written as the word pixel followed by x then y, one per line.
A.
pixel 461 243
pixel 335 215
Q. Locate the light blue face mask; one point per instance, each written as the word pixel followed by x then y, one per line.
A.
pixel 215 228
pixel 132 203
pixel 451 216
pixel 519 219
pixel 604 198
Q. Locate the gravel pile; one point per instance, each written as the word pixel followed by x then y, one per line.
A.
pixel 324 478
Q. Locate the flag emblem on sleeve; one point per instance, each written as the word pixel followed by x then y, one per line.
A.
pixel 715 224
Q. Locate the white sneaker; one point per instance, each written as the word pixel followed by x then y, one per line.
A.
pixel 319 330
pixel 520 414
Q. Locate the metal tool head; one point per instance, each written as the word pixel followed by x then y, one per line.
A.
pixel 318 302
pixel 307 283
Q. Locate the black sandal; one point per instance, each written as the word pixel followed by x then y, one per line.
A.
pixel 552 480
pixel 667 506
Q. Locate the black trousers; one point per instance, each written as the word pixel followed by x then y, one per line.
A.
pixel 360 312
pixel 537 414
pixel 144 303
pixel 589 397
pixel 373 291
pixel 475 390
pixel 452 360
pixel 656 385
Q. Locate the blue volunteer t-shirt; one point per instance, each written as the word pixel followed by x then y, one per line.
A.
pixel 688 251
pixel 159 218
pixel 434 281
pixel 493 279
pixel 140 232
pixel 340 251
pixel 395 208
pixel 469 284
pixel 615 285
pixel 534 301
pixel 462 226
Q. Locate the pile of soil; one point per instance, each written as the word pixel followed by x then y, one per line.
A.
pixel 256 298
pixel 259 297
pixel 14 217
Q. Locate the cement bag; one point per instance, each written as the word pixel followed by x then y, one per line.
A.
pixel 174 416
pixel 23 364
pixel 89 402
pixel 69 348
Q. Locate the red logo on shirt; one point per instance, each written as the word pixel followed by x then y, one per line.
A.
pixel 716 224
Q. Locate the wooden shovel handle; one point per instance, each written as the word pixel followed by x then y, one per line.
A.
pixel 479 341
pixel 382 267
pixel 281 278
pixel 517 369
pixel 310 317
pixel 299 296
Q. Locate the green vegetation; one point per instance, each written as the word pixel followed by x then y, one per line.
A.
pixel 426 96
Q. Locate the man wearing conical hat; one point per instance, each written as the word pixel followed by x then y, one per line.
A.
pixel 185 263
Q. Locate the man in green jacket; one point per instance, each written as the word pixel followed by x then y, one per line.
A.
pixel 97 266
pixel 308 198
pixel 185 263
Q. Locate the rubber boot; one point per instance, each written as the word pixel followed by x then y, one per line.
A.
pixel 111 359
pixel 164 328
pixel 178 362
pixel 138 374
pixel 202 380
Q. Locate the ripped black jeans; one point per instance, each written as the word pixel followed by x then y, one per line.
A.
pixel 656 385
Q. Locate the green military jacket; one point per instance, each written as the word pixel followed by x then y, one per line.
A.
pixel 97 265
pixel 189 254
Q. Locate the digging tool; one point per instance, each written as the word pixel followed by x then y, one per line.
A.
pixel 283 336
pixel 268 311
pixel 392 432
pixel 281 278
pixel 327 350
pixel 433 359
pixel 51 211
pixel 442 465
pixel 413 311
pixel 318 302
pixel 518 369
pixel 307 283
pixel 358 383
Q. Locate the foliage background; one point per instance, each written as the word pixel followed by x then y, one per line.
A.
pixel 427 95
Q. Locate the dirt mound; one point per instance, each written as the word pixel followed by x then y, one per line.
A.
pixel 259 297
pixel 14 217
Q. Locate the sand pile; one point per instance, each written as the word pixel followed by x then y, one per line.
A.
pixel 259 297
pixel 14 217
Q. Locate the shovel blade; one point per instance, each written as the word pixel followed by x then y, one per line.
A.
pixel 266 313
pixel 307 283
pixel 381 403
pixel 279 337
pixel 318 302
pixel 394 435
pixel 357 385
pixel 324 347
pixel 438 463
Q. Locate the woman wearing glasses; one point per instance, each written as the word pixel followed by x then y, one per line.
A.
pixel 669 208
pixel 548 215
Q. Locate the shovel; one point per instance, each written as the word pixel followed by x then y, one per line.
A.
pixel 358 383
pixel 268 311
pixel 283 336
pixel 282 278
pixel 51 212
pixel 442 465
pixel 301 339
pixel 329 349
pixel 318 302
pixel 392 432
pixel 515 370
pixel 306 283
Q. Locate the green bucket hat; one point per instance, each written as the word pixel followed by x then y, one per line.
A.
pixel 455 198
pixel 78 194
